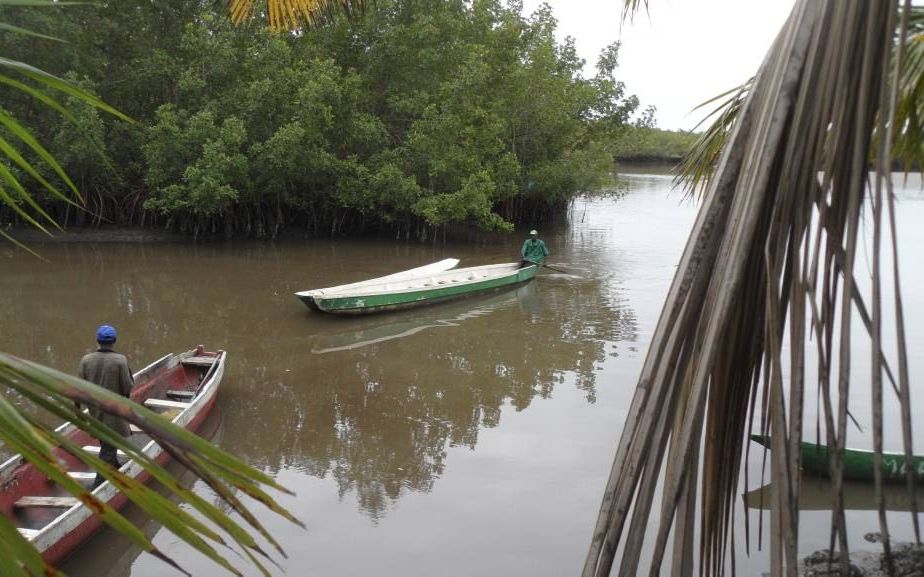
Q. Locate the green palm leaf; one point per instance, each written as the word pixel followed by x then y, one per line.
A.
pixel 15 128
pixel 4 27
pixel 58 394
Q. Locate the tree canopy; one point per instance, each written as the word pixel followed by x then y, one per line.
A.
pixel 407 117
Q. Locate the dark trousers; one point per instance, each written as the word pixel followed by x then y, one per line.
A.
pixel 108 454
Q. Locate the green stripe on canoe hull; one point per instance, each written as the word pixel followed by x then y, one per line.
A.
pixel 309 302
pixel 357 305
pixel 858 465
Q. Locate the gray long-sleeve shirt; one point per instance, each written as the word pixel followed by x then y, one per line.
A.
pixel 109 370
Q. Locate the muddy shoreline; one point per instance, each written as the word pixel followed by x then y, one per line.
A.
pixel 96 235
pixel 907 561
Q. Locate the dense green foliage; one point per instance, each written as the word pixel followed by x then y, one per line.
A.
pixel 642 141
pixel 417 115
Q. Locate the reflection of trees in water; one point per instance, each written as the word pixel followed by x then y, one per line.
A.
pixel 377 418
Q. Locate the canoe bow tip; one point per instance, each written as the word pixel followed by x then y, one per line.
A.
pixel 761 440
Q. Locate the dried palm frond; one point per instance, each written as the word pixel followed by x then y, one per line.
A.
pixel 699 164
pixel 295 14
pixel 769 262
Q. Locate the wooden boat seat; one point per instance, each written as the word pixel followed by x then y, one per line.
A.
pixel 43 501
pixel 200 361
pixel 81 475
pixel 181 394
pixel 121 456
pixel 28 533
pixel 165 404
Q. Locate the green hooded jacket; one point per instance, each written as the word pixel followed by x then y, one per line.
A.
pixel 534 250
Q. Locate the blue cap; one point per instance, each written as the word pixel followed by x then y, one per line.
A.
pixel 105 334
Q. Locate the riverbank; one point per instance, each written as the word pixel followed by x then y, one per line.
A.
pixel 907 560
pixel 451 232
pixel 645 145
pixel 31 236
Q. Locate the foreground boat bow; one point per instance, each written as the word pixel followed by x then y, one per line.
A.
pixel 182 387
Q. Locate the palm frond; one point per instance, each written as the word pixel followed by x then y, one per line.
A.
pixel 631 7
pixel 59 395
pixel 908 145
pixel 5 27
pixel 294 14
pixel 19 196
pixel 770 261
pixel 699 164
pixel 909 112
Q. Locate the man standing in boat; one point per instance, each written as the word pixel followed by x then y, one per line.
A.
pixel 534 250
pixel 108 369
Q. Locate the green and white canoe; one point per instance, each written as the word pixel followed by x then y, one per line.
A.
pixel 308 297
pixel 421 290
pixel 858 464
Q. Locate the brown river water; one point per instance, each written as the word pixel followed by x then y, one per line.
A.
pixel 469 438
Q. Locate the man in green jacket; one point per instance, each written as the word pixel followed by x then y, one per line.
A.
pixel 109 370
pixel 534 250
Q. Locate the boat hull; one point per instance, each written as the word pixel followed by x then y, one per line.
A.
pixel 308 297
pixel 309 301
pixel 62 536
pixel 858 465
pixel 376 303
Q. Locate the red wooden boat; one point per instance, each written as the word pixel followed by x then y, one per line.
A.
pixel 181 386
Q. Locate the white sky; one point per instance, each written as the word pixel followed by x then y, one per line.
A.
pixel 680 54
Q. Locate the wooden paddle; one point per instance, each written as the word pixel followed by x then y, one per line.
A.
pixel 550 267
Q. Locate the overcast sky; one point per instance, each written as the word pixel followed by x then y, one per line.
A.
pixel 681 53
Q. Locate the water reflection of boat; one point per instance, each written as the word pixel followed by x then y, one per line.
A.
pixel 111 554
pixel 363 333
pixel 425 289
pixel 817 494
pixel 858 464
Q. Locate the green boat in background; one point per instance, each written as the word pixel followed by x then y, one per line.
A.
pixel 421 290
pixel 858 464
